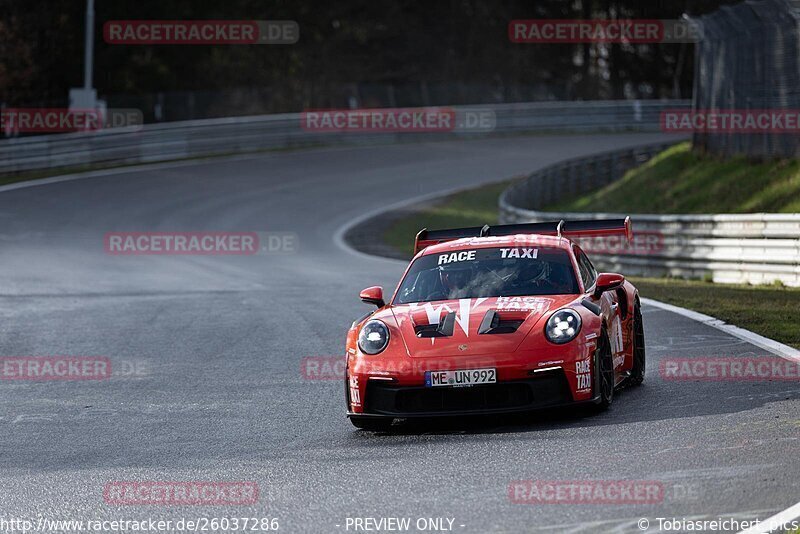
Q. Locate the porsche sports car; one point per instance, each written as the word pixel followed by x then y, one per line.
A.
pixel 492 320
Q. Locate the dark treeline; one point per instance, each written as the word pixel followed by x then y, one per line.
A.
pixel 401 51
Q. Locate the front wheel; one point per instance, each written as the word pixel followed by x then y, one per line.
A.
pixel 604 373
pixel 373 424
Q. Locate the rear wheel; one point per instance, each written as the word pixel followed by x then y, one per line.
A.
pixel 604 373
pixel 639 360
pixel 373 424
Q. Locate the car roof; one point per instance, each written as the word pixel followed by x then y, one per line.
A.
pixel 517 240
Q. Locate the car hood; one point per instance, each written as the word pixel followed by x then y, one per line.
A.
pixel 517 316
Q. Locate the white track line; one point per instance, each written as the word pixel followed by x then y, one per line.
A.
pixel 779 349
pixel 786 521
pixel 100 173
pixel 338 236
pixel 158 165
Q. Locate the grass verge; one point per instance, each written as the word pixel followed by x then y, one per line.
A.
pixel 474 207
pixel 680 181
pixel 773 312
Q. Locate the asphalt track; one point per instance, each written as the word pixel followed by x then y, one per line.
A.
pixel 218 395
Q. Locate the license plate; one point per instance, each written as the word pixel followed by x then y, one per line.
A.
pixel 460 378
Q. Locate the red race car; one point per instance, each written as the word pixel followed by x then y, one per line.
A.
pixel 493 320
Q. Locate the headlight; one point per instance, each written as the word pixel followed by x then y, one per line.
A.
pixel 374 337
pixel 563 326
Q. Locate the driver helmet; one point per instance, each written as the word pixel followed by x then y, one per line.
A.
pixel 455 278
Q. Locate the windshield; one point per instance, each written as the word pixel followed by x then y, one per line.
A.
pixel 488 272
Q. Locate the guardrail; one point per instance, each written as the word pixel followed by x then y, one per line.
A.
pixel 757 248
pixel 168 141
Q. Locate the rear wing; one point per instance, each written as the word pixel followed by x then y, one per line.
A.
pixel 588 228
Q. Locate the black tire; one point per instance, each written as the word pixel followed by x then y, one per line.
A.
pixel 639 357
pixel 604 373
pixel 373 424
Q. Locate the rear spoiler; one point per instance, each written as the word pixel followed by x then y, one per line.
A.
pixel 588 228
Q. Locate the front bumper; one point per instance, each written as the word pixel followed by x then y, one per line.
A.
pixel 540 376
pixel 387 399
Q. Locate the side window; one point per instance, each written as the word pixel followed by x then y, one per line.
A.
pixel 587 270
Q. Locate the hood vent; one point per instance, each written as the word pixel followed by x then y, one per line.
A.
pixel 493 323
pixel 443 329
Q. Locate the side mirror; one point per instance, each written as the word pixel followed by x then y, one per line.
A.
pixel 607 282
pixel 373 295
